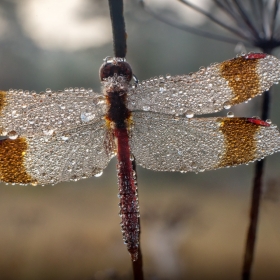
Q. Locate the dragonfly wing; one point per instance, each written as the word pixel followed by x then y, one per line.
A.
pixel 164 143
pixel 209 90
pixel 70 155
pixel 28 113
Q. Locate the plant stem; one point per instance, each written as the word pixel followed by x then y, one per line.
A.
pixel 255 201
pixel 118 27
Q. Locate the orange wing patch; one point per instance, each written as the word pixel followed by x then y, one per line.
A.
pixel 3 100
pixel 243 79
pixel 240 141
pixel 12 169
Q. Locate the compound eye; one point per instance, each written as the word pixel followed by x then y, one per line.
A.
pixel 115 67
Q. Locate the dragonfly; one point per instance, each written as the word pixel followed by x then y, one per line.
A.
pixel 56 136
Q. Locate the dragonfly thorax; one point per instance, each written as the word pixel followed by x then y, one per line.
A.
pixel 115 67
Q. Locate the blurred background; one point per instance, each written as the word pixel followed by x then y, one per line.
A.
pixel 193 225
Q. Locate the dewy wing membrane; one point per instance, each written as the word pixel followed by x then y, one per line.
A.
pixel 30 113
pixel 198 144
pixel 70 155
pixel 209 90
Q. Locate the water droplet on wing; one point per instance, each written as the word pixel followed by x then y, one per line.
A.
pixel 189 114
pixel 227 105
pixel 230 114
pixel 12 135
pixel 98 174
pixel 87 116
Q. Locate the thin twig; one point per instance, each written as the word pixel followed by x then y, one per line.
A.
pixel 259 4
pixel 216 20
pixel 228 9
pixel 118 27
pixel 255 202
pixel 254 215
pixel 232 11
pixel 246 19
pixel 194 30
pixel 273 18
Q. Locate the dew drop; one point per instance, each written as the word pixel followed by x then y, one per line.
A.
pixel 98 174
pixel 193 164
pixel 48 132
pixel 14 114
pixel 230 114
pixel 227 105
pixel 87 116
pixel 269 121
pixel 189 114
pixel 161 86
pixel 12 135
pixel 48 90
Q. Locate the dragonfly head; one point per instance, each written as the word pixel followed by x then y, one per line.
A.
pixel 115 67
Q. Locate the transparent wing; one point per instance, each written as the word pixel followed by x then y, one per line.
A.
pixel 28 113
pixel 161 142
pixel 209 90
pixel 70 155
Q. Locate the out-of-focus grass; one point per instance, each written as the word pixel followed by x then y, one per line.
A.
pixel 71 231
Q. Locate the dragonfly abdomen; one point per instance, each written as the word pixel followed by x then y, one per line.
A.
pixel 116 75
pixel 129 208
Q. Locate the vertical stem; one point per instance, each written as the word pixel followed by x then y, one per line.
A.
pixel 254 215
pixel 255 201
pixel 118 27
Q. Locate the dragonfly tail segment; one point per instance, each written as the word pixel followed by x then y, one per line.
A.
pixel 116 75
pixel 129 208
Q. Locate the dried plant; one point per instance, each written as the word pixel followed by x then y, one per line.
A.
pixel 254 23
